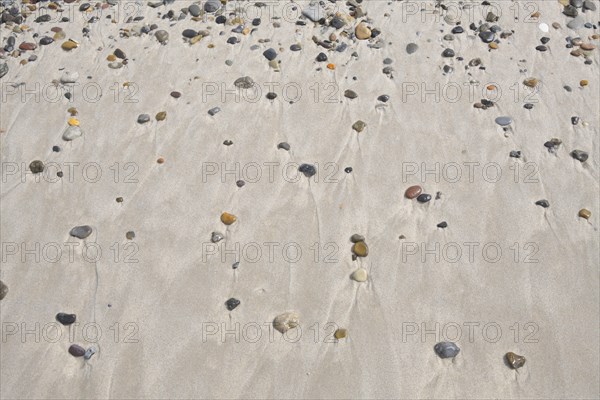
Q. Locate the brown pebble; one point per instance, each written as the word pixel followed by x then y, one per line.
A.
pixel 360 249
pixel 341 333
pixel 531 82
pixel 111 57
pixel 413 192
pixel 556 25
pixel 175 95
pixel 161 116
pixel 160 160
pixel 584 82
pixel 516 361
pixel 587 46
pixel 493 45
pixel 228 219
pixel 76 350
pixel 27 46
pixel 585 213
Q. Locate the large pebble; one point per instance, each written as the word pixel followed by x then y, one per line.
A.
pixel 504 121
pixel 413 191
pixel 36 167
pixel 81 232
pixel 245 82
pixel 362 31
pixel 76 350
pixel 286 321
pixel 446 349
pixel 71 133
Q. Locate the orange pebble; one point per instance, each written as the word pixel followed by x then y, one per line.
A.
pixel 491 87
pixel 584 83
pixel 331 66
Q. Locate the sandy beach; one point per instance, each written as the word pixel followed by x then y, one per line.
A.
pixel 182 180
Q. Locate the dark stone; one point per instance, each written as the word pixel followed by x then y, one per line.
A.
pixel 574 120
pixel 528 106
pixel 457 30
pixel 189 33
pixel 541 48
pixel 284 145
pixel 120 54
pixel 487 36
pixel 308 170
pixel 542 203
pixel 351 94
pixel 81 232
pixel 348 170
pixel 271 96
pixel 256 22
pixel 545 39
pixel 240 183
pixel 579 155
pixel 232 304
pixel 130 235
pixel 232 40
pixel 337 23
pixel 3 290
pixel 36 166
pixel 43 18
pixel 515 154
pixel 322 57
pixel 383 98
pixel 59 174
pixel 570 11
pixel 221 19
pixel 76 350
pixel 66 319
pixel 235 265
pixel 295 47
pixel 424 198
pixel 46 40
pixel 442 225
pixel 270 54
pixel 55 149
pixel 448 53
pixel 446 349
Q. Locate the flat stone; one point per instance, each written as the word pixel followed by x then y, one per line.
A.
pixel 321 57
pixel 359 126
pixel 66 319
pixel 212 6
pixel 213 111
pixel 542 203
pixel 580 155
pixel 585 213
pixel 360 249
pixel 362 31
pixel 383 98
pixel 284 146
pixel 69 77
pixel 576 3
pixel 487 36
pixel 143 118
pixel 514 360
pixel 531 82
pixel 357 238
pixel 81 232
pixel 71 133
pixel 295 47
pixel 130 235
pixel 442 225
pixel 541 48
pixel 413 191
pixel 576 23
pixel 446 349
pixel 286 321
pixel 412 48
pixel 504 121
pixel 46 40
pixel 340 333
pixel 337 23
pixel 360 275
pixel 228 219
pixel 308 170
pixel 351 94
pixel 36 167
pixel 232 303
pixel 244 82
pixel 314 12
pixel 189 33
pixel 3 290
pixel 587 46
pixel 27 46
pixel 161 116
pixel 89 353
pixel 195 10
pixel 76 350
pixel 423 198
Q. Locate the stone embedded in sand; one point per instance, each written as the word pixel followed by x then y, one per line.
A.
pixel 3 290
pixel 362 31
pixel 446 349
pixel 360 249
pixel 542 203
pixel 162 36
pixel 69 45
pixel 286 321
pixel 580 155
pixel 531 82
pixel 413 192
pixel 81 232
pixel 66 319
pixel 240 183
pixel 89 353
pixel 587 46
pixel 423 198
pixel 359 126
pixel 515 360
pixel 357 238
pixel 308 170
pixel 36 167
pixel 71 133
pixel 161 116
pixel 245 82
pixel 340 333
pixel 228 219
pixel 76 350
pixel 232 303
pixel 585 213
pixel 216 237
pixel 360 275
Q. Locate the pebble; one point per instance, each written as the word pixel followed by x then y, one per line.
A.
pixel 162 36
pixel 240 183
pixel 270 54
pixel 589 5
pixel 514 360
pixel 3 290
pixel 362 31
pixel 284 145
pixel 348 170
pixel 359 126
pixel 161 116
pixel 71 133
pixel 212 6
pixel 213 111
pixel 446 349
pixel 314 12
pixel 580 155
pixel 351 94
pixel 36 167
pixel 228 219
pixel 235 265
pixel 504 121
pixel 69 45
pixel 89 353
pixel 143 118
pixel 340 333
pixel 76 350
pixel 286 321
pixel 271 96
pixel 66 319
pixel 542 203
pixel 195 10
pixel 411 48
pixel 120 54
pixel 515 154
pixel 413 191
pixel 585 213
pixel 308 170
pixel 357 238
pixel 46 40
pixel 244 82
pixel 175 95
pixel 383 98
pixel 424 198
pixel 360 249
pixel 321 57
pixel 587 46
pixel 541 48
pixel 487 36
pixel 216 237
pixel 442 225
pixel 360 275
pixel 295 47
pixel 3 69
pixel 130 235
pixel 576 23
pixel 81 232
pixel 232 303
pixel 448 53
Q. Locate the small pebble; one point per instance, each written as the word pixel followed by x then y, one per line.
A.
pixel 76 350
pixel 232 303
pixel 89 353
pixel 357 238
pixel 286 321
pixel 413 192
pixel 240 183
pixel 424 198
pixel 216 237
pixel 81 232
pixel 585 213
pixel 130 235
pixel 442 225
pixel 542 203
pixel 3 290
pixel 514 360
pixel 308 170
pixel 66 319
pixel 228 219
pixel 340 333
pixel 360 275
pixel 348 170
pixel 579 155
pixel 446 349
pixel 284 145
pixel 360 249
pixel 36 167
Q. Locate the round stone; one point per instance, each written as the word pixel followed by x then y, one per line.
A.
pixel 3 290
pixel 271 96
pixel 514 360
pixel 76 350
pixel 321 57
pixel 161 116
pixel 448 53
pixel 195 10
pixel 130 235
pixel 286 321
pixel 240 183
pixel 412 48
pixel 36 167
pixel 360 275
pixel 244 82
pixel 228 219
pixel 504 121
pixel 162 36
pixel 360 249
pixel 66 319
pixel 446 349
pixel 270 54
pixel 81 232
pixel 232 303
pixel 340 333
pixel 424 198
pixel 413 191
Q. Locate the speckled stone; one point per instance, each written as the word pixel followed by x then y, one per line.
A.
pixel 446 349
pixel 514 360
pixel 81 232
pixel 286 321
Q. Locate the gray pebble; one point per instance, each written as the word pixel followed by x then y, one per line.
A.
pixel 284 145
pixel 504 121
pixel 448 53
pixel 244 82
pixel 579 155
pixel 446 349
pixel 216 237
pixel 81 232
pixel 270 54
pixel 89 353
pixel 213 111
pixel 162 36
pixel 143 118
pixel 357 238
pixel 487 36
pixel 412 48
pixel 195 10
